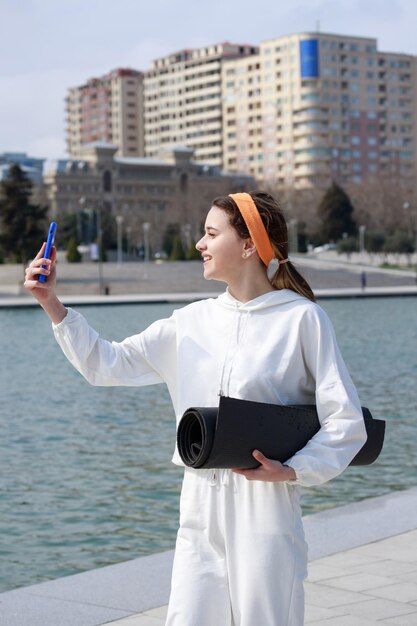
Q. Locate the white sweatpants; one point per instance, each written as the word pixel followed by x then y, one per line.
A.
pixel 240 556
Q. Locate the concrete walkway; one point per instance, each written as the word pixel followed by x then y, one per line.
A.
pixel 362 572
pixel 137 278
pixel 182 282
pixel 367 586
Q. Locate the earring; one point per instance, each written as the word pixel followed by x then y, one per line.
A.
pixel 245 255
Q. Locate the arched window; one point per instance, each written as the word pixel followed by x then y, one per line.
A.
pixel 107 181
pixel 183 183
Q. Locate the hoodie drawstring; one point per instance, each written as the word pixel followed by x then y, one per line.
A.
pixel 221 478
pixel 240 333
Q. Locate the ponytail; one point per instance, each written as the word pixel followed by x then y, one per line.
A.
pixel 287 277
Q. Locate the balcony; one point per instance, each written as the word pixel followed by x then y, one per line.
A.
pixel 312 169
pixel 311 113
pixel 311 142
pixel 301 130
pixel 311 155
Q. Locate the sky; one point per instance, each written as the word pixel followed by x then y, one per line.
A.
pixel 47 46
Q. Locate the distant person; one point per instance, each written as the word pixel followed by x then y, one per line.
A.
pixel 363 280
pixel 241 557
pixel 94 252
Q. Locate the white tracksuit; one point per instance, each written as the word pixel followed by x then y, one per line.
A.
pixel 240 556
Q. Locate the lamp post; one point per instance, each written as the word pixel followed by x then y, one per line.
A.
pixel 100 251
pixel 81 203
pixel 119 222
pixel 187 236
pixel 293 236
pixel 362 238
pixel 128 240
pixel 146 228
pixel 90 213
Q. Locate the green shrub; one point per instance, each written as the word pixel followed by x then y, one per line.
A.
pixel 193 254
pixel 73 255
pixel 177 253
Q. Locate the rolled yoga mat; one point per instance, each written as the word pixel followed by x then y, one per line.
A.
pixel 225 436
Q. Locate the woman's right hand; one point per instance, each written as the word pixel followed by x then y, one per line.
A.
pixel 45 292
pixel 41 291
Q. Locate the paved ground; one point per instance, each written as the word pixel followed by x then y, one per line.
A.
pixel 323 272
pixel 370 585
pixel 362 572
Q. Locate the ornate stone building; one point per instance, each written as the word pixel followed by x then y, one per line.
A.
pixel 172 188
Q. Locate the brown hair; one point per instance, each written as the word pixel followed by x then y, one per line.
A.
pixel 285 276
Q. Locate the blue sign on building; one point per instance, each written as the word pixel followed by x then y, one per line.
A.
pixel 309 58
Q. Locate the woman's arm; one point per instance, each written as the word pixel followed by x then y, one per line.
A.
pixel 342 433
pixel 143 359
pixel 103 362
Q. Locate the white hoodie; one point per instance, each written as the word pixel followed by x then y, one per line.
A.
pixel 279 348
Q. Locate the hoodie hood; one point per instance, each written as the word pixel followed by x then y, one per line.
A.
pixel 266 300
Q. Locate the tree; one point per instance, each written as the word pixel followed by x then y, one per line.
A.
pixel 73 255
pixel 374 241
pixel 22 224
pixel 400 242
pixel 177 253
pixel 335 212
pixel 172 231
pixel 347 246
pixel 193 254
pixel 68 229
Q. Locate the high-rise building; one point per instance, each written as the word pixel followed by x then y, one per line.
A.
pixel 313 107
pixel 107 109
pixel 296 112
pixel 183 100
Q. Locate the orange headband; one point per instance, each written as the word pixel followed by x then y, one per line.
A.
pixel 256 228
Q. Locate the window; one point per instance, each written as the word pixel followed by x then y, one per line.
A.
pixel 107 181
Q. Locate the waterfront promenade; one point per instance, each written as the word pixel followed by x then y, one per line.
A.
pixel 328 273
pixel 362 572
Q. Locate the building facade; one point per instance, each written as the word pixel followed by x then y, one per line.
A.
pixel 313 107
pixel 170 189
pixel 107 109
pixel 183 100
pixel 32 166
pixel 296 112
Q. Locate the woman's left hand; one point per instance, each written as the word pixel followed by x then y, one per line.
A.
pixel 269 470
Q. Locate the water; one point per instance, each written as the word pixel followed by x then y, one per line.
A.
pixel 80 485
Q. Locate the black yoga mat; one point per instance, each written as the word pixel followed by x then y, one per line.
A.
pixel 225 436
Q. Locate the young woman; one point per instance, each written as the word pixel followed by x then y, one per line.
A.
pixel 240 555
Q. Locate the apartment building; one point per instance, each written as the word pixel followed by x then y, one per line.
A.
pixel 312 107
pixel 107 109
pixel 183 100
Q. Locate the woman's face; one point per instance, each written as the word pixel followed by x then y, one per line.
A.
pixel 221 247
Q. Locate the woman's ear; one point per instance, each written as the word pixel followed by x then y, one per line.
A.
pixel 248 248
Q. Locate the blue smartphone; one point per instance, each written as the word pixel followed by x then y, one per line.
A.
pixel 49 243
